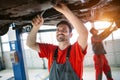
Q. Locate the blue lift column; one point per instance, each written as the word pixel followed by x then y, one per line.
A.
pixel 16 54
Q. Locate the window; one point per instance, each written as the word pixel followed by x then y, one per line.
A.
pixel 5 43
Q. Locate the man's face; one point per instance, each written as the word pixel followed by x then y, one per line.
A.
pixel 95 32
pixel 62 33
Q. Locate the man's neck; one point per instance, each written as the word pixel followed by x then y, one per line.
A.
pixel 63 45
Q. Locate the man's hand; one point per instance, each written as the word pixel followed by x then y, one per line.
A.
pixel 37 21
pixel 60 7
pixel 31 39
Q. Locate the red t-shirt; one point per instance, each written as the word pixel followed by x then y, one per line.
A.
pixel 76 56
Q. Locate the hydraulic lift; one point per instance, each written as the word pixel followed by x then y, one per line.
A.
pixel 16 50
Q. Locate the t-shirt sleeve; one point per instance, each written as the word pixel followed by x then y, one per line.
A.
pixel 85 51
pixel 45 49
pixel 79 49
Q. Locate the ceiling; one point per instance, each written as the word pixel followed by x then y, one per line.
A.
pixel 21 12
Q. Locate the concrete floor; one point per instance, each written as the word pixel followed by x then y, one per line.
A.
pixel 42 74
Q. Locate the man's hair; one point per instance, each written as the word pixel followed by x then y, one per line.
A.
pixel 92 29
pixel 66 23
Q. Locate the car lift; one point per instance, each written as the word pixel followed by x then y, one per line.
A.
pixel 16 48
pixel 16 54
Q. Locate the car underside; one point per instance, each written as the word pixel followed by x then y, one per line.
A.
pixel 21 12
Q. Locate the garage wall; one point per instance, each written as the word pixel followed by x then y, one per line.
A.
pixel 113 53
pixel 33 60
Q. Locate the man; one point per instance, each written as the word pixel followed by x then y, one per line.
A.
pixel 100 61
pixel 65 61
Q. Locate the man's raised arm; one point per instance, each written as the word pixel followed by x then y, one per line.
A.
pixel 76 23
pixel 31 39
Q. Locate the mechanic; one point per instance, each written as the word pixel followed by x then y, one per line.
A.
pixel 65 60
pixel 100 61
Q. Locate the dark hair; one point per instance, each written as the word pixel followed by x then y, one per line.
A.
pixel 92 29
pixel 66 23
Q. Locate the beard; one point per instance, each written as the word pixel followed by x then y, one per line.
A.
pixel 61 38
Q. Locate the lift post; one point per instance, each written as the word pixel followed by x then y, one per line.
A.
pixel 16 54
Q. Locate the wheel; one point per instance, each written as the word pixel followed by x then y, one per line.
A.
pixel 4 29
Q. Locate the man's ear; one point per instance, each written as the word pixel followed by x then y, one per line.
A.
pixel 71 34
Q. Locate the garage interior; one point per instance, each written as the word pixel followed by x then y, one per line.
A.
pixel 19 13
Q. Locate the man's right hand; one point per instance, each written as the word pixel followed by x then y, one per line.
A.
pixel 37 21
pixel 31 39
